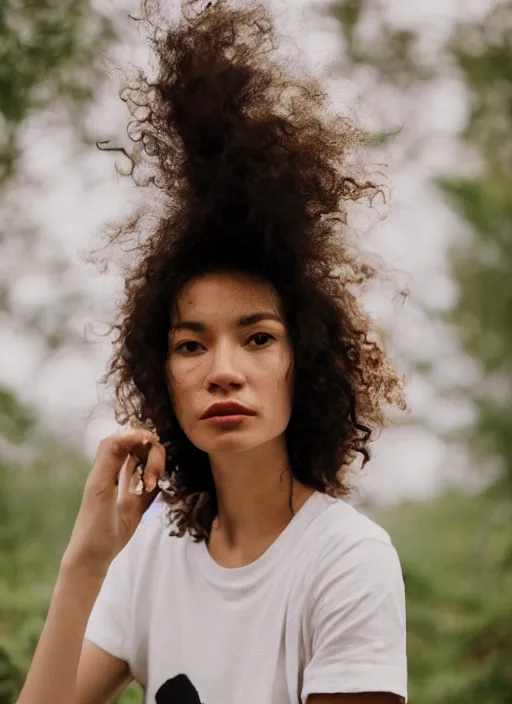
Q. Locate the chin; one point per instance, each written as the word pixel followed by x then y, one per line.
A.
pixel 228 442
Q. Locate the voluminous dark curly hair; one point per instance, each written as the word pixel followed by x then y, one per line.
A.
pixel 246 171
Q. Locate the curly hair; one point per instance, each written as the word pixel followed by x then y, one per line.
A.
pixel 248 173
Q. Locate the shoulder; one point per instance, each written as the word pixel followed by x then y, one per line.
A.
pixel 352 548
pixel 354 621
pixel 145 548
pixel 344 527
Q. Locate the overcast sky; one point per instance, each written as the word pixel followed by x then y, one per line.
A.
pixel 76 193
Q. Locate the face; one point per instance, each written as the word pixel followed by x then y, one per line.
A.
pixel 228 344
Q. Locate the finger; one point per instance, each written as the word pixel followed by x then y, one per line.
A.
pixel 114 450
pixel 131 493
pixel 155 466
pixel 128 476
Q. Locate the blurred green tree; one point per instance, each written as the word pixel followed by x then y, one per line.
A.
pixel 48 61
pixel 48 57
pixel 457 549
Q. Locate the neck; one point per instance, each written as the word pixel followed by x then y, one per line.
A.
pixel 256 495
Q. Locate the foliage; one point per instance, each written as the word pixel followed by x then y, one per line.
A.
pixel 48 54
pixel 459 600
pixel 48 62
pixel 41 482
pixel 482 263
pixel 457 550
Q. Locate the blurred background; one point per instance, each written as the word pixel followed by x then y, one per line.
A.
pixel 432 79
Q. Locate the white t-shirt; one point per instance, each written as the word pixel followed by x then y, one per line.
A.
pixel 322 610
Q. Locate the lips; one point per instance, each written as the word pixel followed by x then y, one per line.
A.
pixel 228 408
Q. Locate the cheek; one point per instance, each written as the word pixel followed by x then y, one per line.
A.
pixel 182 373
pixel 182 378
pixel 281 385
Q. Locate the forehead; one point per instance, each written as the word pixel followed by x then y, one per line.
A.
pixel 224 294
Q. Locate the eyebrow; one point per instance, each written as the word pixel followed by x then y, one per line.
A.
pixel 244 322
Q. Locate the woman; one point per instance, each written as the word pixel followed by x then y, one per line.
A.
pixel 247 369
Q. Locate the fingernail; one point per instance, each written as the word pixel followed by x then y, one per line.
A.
pixel 150 484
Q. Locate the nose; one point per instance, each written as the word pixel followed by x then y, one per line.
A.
pixel 224 371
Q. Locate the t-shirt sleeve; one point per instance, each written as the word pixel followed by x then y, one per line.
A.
pixel 357 623
pixel 110 617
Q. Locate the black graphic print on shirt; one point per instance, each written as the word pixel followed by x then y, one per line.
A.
pixel 178 690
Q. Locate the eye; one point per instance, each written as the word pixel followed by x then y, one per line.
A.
pixel 185 347
pixel 261 339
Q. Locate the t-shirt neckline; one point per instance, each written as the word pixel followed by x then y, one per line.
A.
pixel 237 576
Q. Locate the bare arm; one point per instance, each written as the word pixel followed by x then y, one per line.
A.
pixel 101 677
pixel 65 669
pixel 61 672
